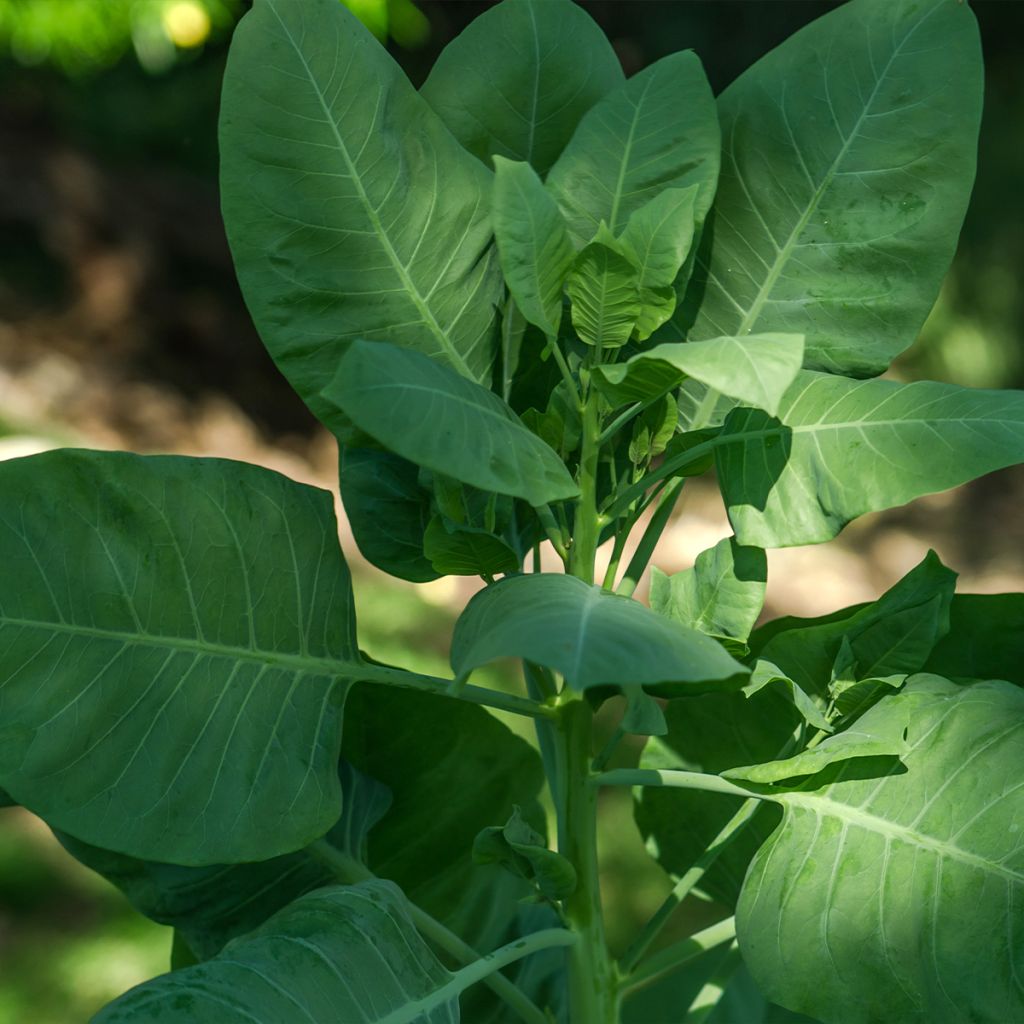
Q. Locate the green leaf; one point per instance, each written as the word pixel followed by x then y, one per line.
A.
pixel 742 1001
pixel 467 550
pixel 520 848
pixel 392 393
pixel 898 898
pixel 533 243
pixel 174 690
pixel 985 639
pixel 519 78
pixel 767 674
pixel 657 131
pixel 722 595
pixel 848 159
pixel 388 511
pixel 894 442
pixel 658 236
pixel 643 715
pixel 892 635
pixel 604 291
pixel 710 733
pixel 208 906
pixel 341 953
pixel 756 370
pixel 588 635
pixel 852 695
pixel 350 209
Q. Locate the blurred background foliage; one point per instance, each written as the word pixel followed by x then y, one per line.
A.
pixel 121 326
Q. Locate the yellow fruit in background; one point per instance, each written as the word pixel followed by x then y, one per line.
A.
pixel 187 23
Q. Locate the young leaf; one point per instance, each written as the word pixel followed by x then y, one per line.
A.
pixel 851 695
pixel 892 635
pixel 756 370
pixel 722 595
pixel 657 131
pixel 985 639
pixel 533 243
pixel 174 690
pixel 466 550
pixel 894 442
pixel 341 953
pixel 767 674
pixel 604 288
pixel 519 78
pixel 350 209
pixel 590 636
pixel 898 898
pixel 848 159
pixel 388 511
pixel 473 436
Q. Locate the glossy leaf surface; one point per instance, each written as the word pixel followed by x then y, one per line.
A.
pixel 899 898
pixel 848 157
pixel 351 210
pixel 518 79
pixel 659 130
pixel 341 953
pixel 841 448
pixel 175 690
pixel 474 437
pixel 589 636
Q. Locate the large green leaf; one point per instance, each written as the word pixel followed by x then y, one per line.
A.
pixel 659 130
pixel 840 448
pixel 756 370
pixel 711 732
pixel 848 159
pixel 533 243
pixel 722 595
pixel 590 636
pixel 894 634
pixel 388 511
pixel 604 289
pixel 519 78
pixel 351 210
pixel 176 641
pixel 346 953
pixel 899 898
pixel 985 639
pixel 429 415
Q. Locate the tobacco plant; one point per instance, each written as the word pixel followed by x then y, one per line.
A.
pixel 531 301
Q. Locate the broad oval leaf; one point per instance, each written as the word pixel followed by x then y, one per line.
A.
pixel 604 289
pixel 173 672
pixel 350 209
pixel 518 79
pixel 848 159
pixel 429 415
pixel 533 243
pixel 344 953
pixel 894 442
pixel 659 130
pixel 899 898
pixel 757 369
pixel 588 635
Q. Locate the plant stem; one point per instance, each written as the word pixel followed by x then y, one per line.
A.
pixel 685 885
pixel 587 530
pixel 481 970
pixel 350 871
pixel 553 531
pixel 609 748
pixel 563 367
pixel 402 679
pixel 670 467
pixel 678 779
pixel 593 982
pixel 649 540
pixel 680 953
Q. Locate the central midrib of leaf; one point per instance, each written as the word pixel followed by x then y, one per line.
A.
pixel 420 302
pixel 858 817
pixel 294 662
pixel 627 152
pixel 783 254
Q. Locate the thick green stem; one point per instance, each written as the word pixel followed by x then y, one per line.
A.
pixel 593 980
pixel 587 529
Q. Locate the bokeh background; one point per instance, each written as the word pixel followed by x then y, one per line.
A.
pixel 121 326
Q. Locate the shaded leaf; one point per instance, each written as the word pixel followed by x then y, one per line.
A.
pixel 467 550
pixel 474 437
pixel 519 77
pixel 985 639
pixel 331 183
pixel 848 159
pixel 767 674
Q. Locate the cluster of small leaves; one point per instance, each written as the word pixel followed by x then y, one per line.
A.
pixel 530 301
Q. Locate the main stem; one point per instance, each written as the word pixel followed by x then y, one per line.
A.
pixel 593 979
